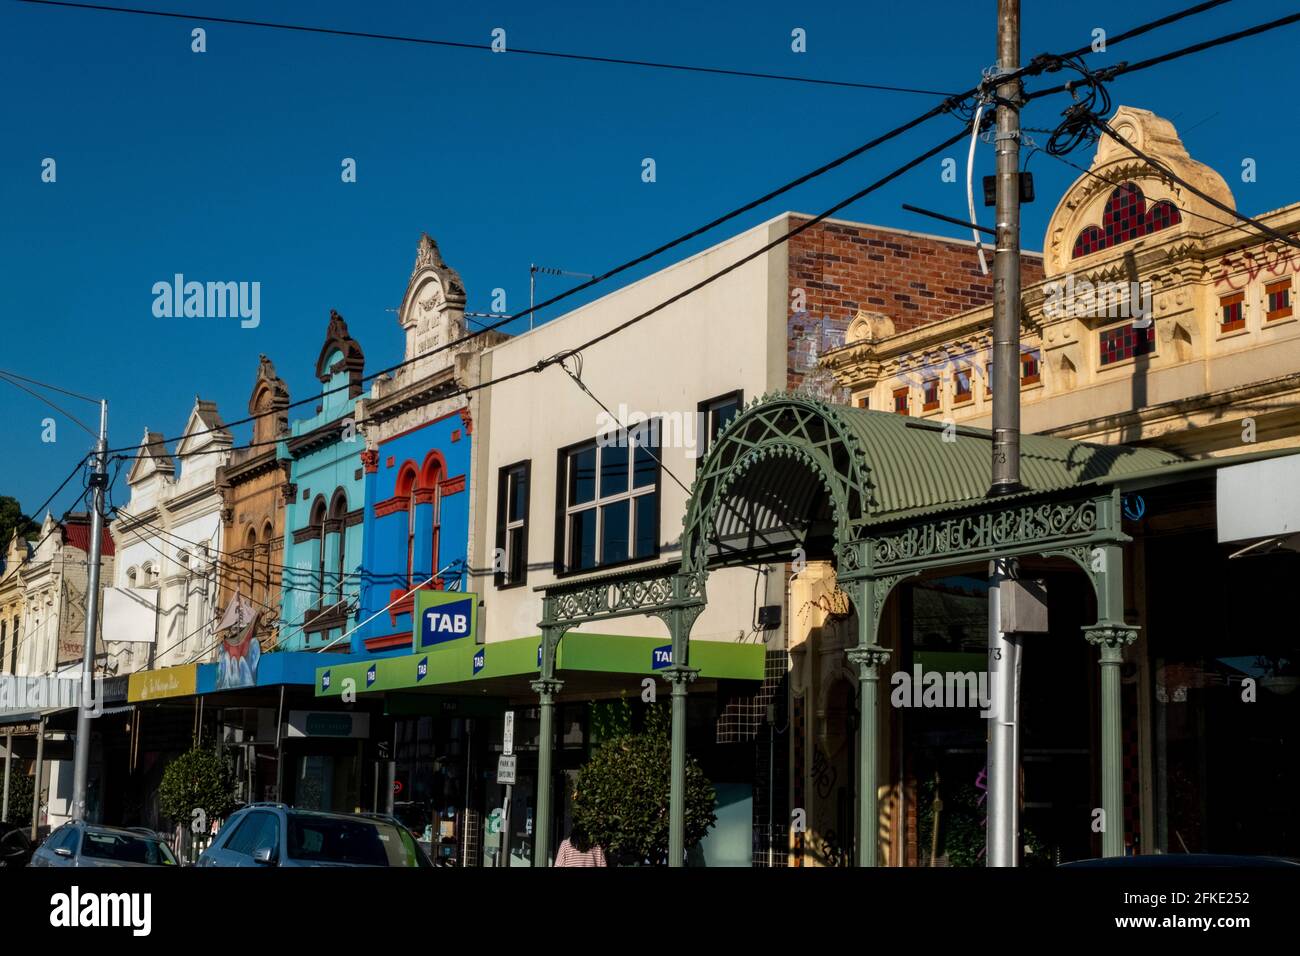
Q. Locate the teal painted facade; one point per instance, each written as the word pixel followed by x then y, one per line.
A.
pixel 323 531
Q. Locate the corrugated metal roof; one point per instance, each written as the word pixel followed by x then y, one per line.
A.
pixel 916 465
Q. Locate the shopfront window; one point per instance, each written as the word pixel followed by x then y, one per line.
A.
pixel 1224 699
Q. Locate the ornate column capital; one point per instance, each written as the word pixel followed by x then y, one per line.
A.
pixel 680 674
pixel 370 460
pixel 867 657
pixel 1111 636
pixel 546 687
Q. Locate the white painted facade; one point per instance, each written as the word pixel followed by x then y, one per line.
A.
pixel 169 539
pixel 728 337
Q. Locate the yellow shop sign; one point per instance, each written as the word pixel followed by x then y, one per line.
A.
pixel 169 682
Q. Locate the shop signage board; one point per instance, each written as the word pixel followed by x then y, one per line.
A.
pixel 167 682
pixel 443 616
pixel 508 740
pixel 661 657
pixel 326 723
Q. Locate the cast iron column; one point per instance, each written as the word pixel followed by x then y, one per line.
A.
pixel 1111 635
pixel 546 687
pixel 1111 639
pixel 869 658
pixel 679 676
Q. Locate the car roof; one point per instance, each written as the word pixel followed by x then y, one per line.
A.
pixel 323 814
pixel 121 831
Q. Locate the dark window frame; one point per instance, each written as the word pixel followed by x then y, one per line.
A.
pixel 503 523
pixel 561 565
pixel 703 412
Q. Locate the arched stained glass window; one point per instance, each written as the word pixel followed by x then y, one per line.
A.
pixel 1126 216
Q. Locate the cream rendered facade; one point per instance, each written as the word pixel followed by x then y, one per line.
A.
pixel 169 540
pixel 1204 390
pixel 728 337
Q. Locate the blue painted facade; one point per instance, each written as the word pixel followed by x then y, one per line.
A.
pixel 416 525
pixel 323 526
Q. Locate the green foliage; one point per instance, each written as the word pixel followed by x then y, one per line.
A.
pixel 610 719
pixel 962 829
pixel 20 797
pixel 198 779
pixel 621 803
pixel 13 520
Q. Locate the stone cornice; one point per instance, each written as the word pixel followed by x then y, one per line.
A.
pixel 425 391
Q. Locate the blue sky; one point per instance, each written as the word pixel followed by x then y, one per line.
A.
pixel 226 165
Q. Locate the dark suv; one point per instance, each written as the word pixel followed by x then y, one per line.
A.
pixel 273 834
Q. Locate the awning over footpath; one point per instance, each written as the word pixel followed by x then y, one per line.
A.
pixel 467 663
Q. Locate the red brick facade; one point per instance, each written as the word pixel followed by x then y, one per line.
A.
pixel 912 279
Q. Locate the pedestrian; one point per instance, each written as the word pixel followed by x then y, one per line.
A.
pixel 577 850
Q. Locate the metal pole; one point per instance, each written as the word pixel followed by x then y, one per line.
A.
pixel 677 779
pixel 545 748
pixel 36 788
pixel 1003 832
pixel 1006 262
pixel 532 290
pixel 279 751
pixel 1112 749
pixel 1004 664
pixel 391 797
pixel 771 781
pixel 98 481
pixel 9 752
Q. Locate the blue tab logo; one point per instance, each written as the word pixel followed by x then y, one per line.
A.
pixel 422 669
pixel 371 674
pixel 661 657
pixel 446 622
pixel 325 681
pixel 478 659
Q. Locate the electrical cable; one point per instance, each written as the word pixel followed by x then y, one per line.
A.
pixel 62 411
pixel 1272 233
pixel 485 47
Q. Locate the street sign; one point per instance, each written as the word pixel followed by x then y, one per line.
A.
pixel 508 741
pixel 506 768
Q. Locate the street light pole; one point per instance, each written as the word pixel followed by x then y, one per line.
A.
pixel 1003 833
pixel 98 482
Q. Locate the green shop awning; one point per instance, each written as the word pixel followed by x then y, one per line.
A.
pixel 467 663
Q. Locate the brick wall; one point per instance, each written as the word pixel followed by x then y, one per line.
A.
pixel 914 280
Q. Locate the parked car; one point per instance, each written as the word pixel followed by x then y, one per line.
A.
pixel 1178 860
pixel 273 834
pixel 89 844
pixel 15 846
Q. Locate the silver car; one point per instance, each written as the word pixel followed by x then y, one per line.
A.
pixel 88 844
pixel 273 834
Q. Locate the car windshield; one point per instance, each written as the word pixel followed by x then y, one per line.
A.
pixel 122 848
pixel 359 842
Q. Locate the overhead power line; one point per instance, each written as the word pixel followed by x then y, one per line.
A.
pixel 1123 69
pixel 1038 65
pixel 1266 230
pixel 488 48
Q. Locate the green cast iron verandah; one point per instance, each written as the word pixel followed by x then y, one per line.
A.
pixel 887 497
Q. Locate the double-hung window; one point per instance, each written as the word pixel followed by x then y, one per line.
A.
pixel 713 417
pixel 609 500
pixel 512 525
